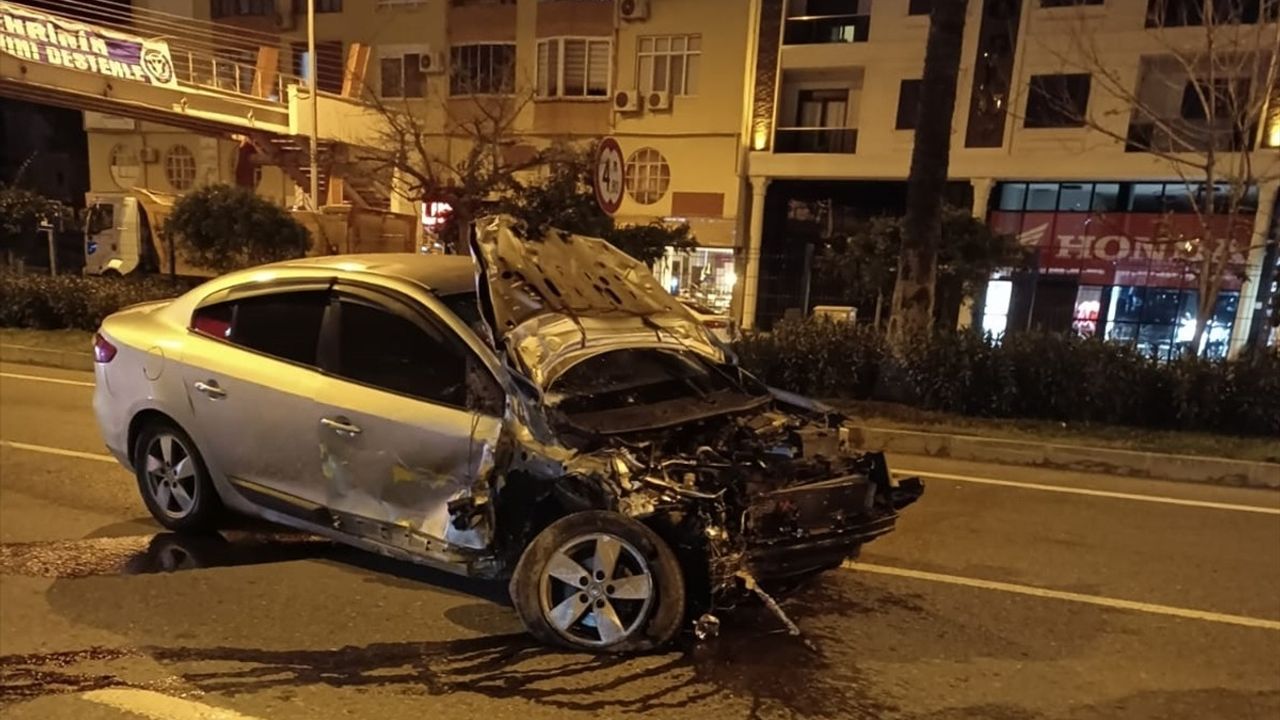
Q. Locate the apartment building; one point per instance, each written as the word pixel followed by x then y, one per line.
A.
pixel 667 78
pixel 831 136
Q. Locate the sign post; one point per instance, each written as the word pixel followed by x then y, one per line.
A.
pixel 606 177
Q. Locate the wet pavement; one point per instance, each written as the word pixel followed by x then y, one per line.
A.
pixel 103 615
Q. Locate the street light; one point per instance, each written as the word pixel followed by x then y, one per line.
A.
pixel 315 103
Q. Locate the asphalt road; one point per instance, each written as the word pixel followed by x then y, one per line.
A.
pixel 1081 597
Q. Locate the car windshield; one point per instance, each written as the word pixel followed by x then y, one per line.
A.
pixel 698 308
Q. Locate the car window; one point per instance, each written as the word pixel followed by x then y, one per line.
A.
pixel 389 351
pixel 285 325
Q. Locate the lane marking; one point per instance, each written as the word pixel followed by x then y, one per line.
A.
pixel 1094 493
pixel 159 706
pixel 42 378
pixel 1100 600
pixel 100 457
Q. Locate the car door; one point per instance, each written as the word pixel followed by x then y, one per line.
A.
pixel 250 369
pixel 409 421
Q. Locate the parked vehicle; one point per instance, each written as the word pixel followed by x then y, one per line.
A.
pixel 569 425
pixel 720 324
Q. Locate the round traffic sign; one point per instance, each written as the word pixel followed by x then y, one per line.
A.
pixel 607 178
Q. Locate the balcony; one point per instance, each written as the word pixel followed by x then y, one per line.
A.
pixel 1181 135
pixel 821 29
pixel 816 140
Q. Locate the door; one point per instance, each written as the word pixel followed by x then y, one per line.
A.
pixel 251 374
pixel 408 421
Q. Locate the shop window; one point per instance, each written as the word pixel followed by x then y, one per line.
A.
pixel 1106 197
pixel 1042 197
pixel 995 310
pixel 1181 197
pixel 1084 319
pixel 908 104
pixel 488 69
pixel 1013 196
pixel 1146 198
pixel 1074 197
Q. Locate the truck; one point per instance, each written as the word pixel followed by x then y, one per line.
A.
pixel 123 233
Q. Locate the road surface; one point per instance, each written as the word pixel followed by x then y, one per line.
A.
pixel 1005 594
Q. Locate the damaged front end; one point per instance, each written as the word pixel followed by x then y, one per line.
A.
pixel 770 496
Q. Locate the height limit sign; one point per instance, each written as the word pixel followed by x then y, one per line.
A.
pixel 607 178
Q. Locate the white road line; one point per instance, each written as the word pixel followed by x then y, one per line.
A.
pixel 1100 600
pixel 159 706
pixel 42 378
pixel 1094 493
pixel 100 457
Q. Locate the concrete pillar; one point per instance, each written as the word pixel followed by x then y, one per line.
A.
pixel 755 240
pixel 971 307
pixel 1248 304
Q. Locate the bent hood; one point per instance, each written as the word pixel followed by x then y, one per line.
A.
pixel 555 300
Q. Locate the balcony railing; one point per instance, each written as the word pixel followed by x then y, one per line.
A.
pixel 816 140
pixel 815 29
pixel 1180 135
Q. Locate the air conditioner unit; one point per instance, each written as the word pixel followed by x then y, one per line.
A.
pixel 626 101
pixel 149 155
pixel 633 9
pixel 657 100
pixel 431 62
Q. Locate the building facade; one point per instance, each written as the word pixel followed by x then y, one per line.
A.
pixel 667 78
pixel 1045 146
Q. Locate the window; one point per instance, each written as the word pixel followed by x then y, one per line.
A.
pixel 669 63
pixel 908 104
pixel 402 76
pixel 1074 197
pixel 420 362
pixel 180 168
pixel 1146 198
pixel 1012 196
pixel 242 8
pixel 330 65
pixel 1057 101
pixel 919 7
pixel 1182 13
pixel 574 67
pixel 822 108
pixel 322 6
pixel 482 69
pixel 1229 98
pixel 1042 197
pixel 124 166
pixel 1068 3
pixel 284 325
pixel 647 176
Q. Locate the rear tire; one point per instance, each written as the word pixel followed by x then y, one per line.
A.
pixel 601 582
pixel 173 479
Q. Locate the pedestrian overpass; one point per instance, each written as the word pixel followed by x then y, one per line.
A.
pixel 199 76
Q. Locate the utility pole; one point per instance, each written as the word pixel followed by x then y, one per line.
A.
pixel 315 104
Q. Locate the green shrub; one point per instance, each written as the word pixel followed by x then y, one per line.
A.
pixel 225 228
pixel 1031 375
pixel 71 301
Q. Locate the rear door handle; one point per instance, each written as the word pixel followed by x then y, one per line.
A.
pixel 210 389
pixel 340 425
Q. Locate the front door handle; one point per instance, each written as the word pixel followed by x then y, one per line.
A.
pixel 340 425
pixel 210 389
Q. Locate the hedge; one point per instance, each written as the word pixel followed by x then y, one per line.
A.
pixel 1026 375
pixel 73 301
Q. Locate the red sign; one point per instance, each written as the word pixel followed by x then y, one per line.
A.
pixel 1128 248
pixel 607 176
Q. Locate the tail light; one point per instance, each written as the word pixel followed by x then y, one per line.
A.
pixel 103 351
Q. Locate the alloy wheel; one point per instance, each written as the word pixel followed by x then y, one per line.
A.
pixel 596 590
pixel 171 476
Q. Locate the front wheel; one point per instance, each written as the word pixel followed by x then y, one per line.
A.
pixel 601 582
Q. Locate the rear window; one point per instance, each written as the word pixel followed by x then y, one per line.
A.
pixel 282 325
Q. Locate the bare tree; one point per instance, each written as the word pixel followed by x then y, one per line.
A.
pixel 466 153
pixel 913 294
pixel 1206 96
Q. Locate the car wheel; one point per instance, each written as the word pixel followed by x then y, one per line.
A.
pixel 173 479
pixel 600 582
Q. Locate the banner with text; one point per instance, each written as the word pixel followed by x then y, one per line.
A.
pixel 52 40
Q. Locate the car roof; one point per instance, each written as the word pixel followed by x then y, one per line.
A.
pixel 443 274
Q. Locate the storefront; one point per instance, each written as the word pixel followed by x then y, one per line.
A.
pixel 703 275
pixel 1122 260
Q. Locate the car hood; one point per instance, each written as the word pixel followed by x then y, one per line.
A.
pixel 556 299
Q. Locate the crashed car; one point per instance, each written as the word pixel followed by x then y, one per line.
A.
pixel 542 412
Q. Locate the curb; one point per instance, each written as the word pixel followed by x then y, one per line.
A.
pixel 65 359
pixel 1110 461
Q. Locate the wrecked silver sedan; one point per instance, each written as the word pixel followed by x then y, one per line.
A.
pixel 543 412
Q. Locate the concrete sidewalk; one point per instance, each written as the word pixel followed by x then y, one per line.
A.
pixel 1111 461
